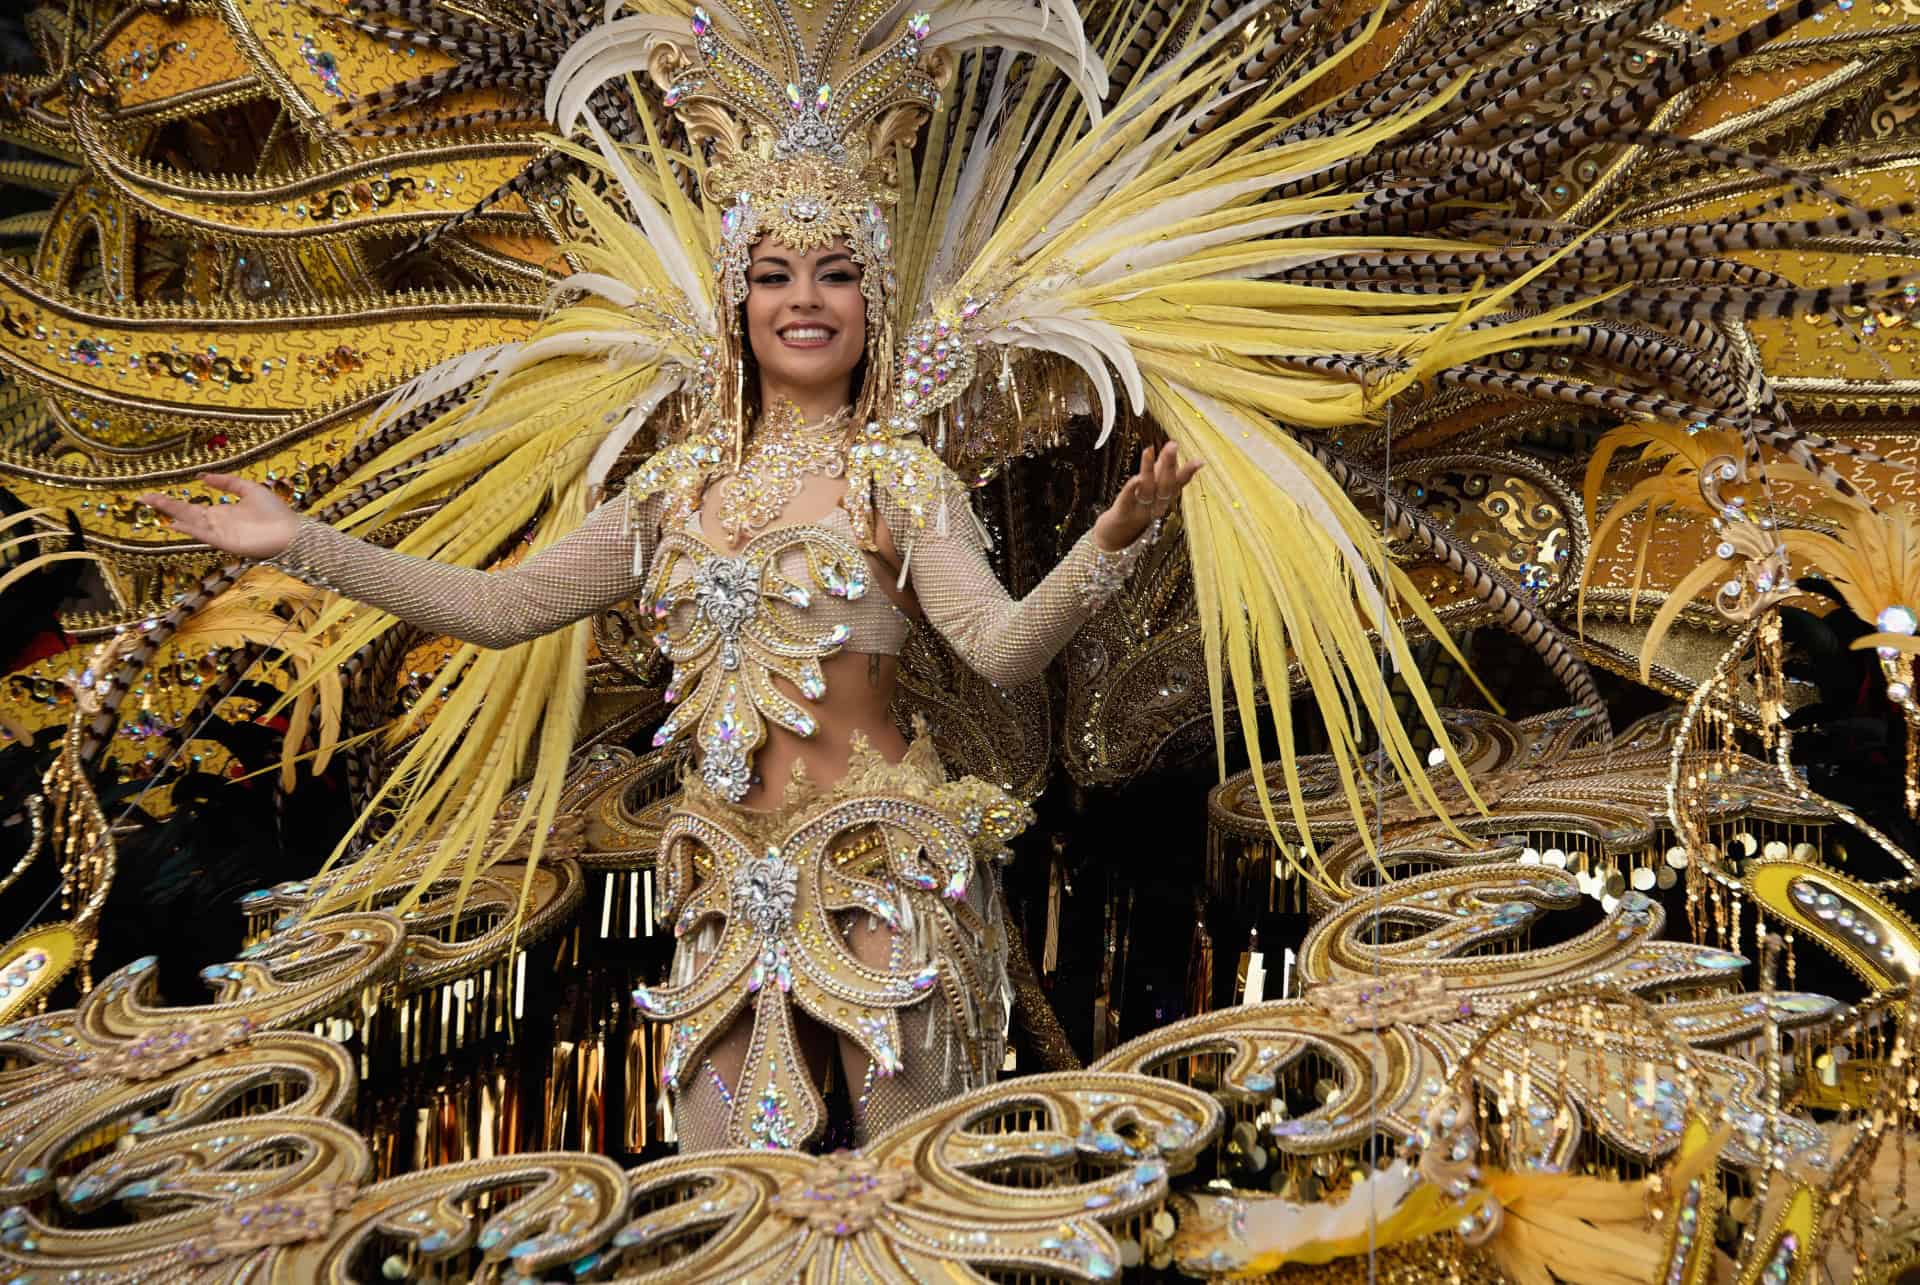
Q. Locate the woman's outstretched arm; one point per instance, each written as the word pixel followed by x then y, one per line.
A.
pixel 588 570
pixel 1007 640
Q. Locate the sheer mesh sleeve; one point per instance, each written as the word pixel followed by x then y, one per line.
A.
pixel 1004 640
pixel 583 572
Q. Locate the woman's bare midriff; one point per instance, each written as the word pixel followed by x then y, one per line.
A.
pixel 860 687
pixel 859 695
pixel 860 690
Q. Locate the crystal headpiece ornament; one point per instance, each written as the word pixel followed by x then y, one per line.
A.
pixel 801 111
pixel 802 105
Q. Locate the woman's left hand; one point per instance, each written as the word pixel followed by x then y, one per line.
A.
pixel 1148 494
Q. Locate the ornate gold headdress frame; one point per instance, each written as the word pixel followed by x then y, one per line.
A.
pixel 802 106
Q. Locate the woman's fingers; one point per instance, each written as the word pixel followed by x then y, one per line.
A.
pixel 185 518
pixel 245 488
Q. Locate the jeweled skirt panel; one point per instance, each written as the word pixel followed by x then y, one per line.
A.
pixel 767 907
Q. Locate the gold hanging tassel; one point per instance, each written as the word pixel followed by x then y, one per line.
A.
pixel 487 1114
pixel 1200 966
pixel 590 1097
pixel 661 1033
pixel 511 1138
pixel 639 1082
pixel 559 1095
pixel 1056 894
pixel 1250 974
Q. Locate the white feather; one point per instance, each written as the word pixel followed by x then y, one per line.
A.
pixel 1277 1229
pixel 622 433
pixel 1190 205
pixel 658 226
pixel 597 57
pixel 1088 342
pixel 615 345
pixel 1152 254
pixel 1013 27
pixel 455 372
pixel 1047 338
pixel 1102 337
pixel 966 188
pixel 612 289
pixel 1110 177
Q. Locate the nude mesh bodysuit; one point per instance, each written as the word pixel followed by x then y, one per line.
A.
pixel 1005 640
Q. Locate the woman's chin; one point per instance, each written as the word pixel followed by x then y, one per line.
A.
pixel 804 374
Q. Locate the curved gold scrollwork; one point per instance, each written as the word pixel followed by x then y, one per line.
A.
pixel 1026 1176
pixel 282 981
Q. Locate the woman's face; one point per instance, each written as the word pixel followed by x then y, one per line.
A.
pixel 806 317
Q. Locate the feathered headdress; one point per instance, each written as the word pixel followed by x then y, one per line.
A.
pixel 1203 247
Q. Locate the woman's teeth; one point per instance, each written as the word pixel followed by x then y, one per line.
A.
pixel 806 334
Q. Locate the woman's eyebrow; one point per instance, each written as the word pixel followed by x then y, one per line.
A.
pixel 837 257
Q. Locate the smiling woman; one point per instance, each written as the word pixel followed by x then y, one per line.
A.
pixel 820 870
pixel 806 323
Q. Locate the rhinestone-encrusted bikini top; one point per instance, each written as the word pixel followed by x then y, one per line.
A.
pixel 730 620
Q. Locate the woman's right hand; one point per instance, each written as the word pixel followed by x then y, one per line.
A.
pixel 259 526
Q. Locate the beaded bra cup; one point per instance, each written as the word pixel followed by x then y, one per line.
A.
pixel 730 621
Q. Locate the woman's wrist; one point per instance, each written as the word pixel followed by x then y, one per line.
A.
pixel 1113 531
pixel 292 533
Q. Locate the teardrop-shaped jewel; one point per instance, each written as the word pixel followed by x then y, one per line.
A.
pixel 797 595
pixel 702 22
pixel 665 733
pixel 919 25
pixel 794 98
pixel 835 636
pixel 822 96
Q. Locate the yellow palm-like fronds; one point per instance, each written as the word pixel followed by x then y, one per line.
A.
pixel 1873 558
pixel 519 460
pixel 1696 469
pixel 241 617
pixel 1569 1227
pixel 1142 253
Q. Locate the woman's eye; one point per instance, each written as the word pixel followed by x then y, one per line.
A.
pixel 839 278
pixel 770 279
